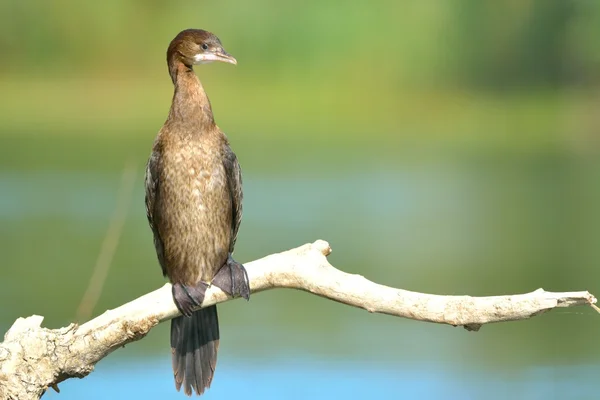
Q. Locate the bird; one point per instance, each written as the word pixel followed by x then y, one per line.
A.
pixel 193 199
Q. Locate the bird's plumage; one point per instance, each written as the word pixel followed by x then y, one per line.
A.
pixel 194 208
pixel 193 184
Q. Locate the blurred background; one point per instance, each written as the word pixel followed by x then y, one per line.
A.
pixel 446 147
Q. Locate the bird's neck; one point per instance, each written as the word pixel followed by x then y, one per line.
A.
pixel 190 106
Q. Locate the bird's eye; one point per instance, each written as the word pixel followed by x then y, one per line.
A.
pixel 204 46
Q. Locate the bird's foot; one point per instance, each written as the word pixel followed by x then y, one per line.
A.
pixel 232 278
pixel 188 297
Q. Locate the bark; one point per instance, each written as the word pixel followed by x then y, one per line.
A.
pixel 33 359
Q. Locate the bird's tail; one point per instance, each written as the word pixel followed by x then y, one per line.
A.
pixel 194 345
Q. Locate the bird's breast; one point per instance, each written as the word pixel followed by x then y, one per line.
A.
pixel 195 213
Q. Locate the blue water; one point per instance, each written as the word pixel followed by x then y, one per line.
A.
pixel 320 379
pixel 88 195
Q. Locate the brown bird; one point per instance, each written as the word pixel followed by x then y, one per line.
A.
pixel 194 207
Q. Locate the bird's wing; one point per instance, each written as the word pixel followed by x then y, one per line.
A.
pixel 152 199
pixel 234 181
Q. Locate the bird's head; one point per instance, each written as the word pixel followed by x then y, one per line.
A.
pixel 195 46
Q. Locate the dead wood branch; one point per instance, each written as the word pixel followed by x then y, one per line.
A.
pixel 33 358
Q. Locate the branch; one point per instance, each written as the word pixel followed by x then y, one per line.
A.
pixel 32 358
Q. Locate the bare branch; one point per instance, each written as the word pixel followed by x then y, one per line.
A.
pixel 33 359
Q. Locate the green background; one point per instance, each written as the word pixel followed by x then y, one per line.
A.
pixel 449 147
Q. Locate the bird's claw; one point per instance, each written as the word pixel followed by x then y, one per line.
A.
pixel 232 278
pixel 187 298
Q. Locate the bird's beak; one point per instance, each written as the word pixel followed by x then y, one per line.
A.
pixel 219 55
pixel 226 57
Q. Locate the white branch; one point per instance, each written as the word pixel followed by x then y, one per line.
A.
pixel 34 358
